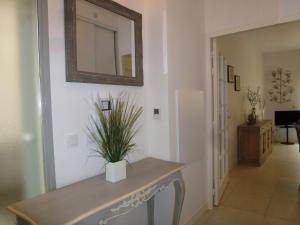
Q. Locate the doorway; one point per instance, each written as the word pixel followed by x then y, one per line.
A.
pixel 25 171
pixel 278 178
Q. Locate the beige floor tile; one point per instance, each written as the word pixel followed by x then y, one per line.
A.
pixel 225 196
pixel 266 195
pixel 200 222
pixel 288 186
pixel 266 176
pixel 272 221
pixel 205 217
pixel 254 188
pixel 228 190
pixel 231 216
pixel 252 203
pixel 285 207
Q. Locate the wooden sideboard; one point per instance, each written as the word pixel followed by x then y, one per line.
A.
pixel 255 142
pixel 96 201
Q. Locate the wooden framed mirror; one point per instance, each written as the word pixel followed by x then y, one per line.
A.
pixel 103 43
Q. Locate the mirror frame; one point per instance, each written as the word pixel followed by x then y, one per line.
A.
pixel 74 75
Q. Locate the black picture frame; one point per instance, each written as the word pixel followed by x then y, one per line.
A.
pixel 230 74
pixel 237 83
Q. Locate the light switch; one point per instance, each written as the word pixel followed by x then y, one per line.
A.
pixel 72 140
pixel 156 114
pixel 106 105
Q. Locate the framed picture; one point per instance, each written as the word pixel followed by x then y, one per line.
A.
pixel 237 83
pixel 230 74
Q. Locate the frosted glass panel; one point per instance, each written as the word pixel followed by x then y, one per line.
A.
pixel 21 163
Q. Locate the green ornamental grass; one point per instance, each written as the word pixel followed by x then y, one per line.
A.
pixel 113 131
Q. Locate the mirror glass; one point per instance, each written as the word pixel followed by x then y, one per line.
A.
pixel 105 41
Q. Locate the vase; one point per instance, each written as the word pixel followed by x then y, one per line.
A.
pixel 252 117
pixel 115 171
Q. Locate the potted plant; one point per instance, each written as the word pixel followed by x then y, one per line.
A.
pixel 112 130
pixel 254 98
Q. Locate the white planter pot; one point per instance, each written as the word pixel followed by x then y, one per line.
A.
pixel 116 171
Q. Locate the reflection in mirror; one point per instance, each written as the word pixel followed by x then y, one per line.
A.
pixel 105 41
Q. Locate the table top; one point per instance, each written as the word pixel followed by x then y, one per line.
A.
pixel 71 204
pixel 259 123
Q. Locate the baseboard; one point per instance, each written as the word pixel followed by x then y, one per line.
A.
pixel 198 215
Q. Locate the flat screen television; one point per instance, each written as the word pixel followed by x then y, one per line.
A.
pixel 285 118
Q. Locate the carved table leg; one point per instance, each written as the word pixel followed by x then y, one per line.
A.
pixel 147 195
pixel 150 207
pixel 179 198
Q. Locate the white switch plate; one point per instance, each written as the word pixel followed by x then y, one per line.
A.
pixel 72 140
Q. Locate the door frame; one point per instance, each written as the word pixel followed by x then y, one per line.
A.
pixel 209 104
pixel 45 90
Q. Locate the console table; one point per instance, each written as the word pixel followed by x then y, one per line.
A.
pixel 96 201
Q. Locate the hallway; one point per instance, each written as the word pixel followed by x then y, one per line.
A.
pixel 266 195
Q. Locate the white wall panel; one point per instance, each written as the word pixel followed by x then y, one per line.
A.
pixel 189 125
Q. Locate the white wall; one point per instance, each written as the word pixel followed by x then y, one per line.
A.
pixel 71 110
pixel 238 15
pixel 288 60
pixel 71 107
pixel 185 67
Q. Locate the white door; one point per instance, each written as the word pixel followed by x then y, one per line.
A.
pixel 220 123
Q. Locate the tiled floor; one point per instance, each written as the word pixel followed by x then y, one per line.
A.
pixel 266 195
